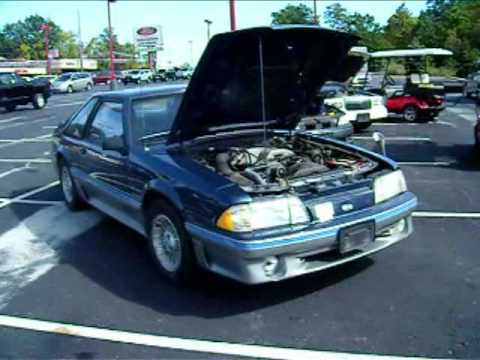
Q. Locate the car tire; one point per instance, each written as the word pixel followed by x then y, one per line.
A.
pixel 69 89
pixel 10 107
pixel 39 101
pixel 410 113
pixel 170 243
pixel 70 192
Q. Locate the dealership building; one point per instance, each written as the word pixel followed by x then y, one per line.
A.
pixel 39 67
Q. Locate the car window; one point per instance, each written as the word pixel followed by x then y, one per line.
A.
pixel 107 123
pixel 476 78
pixel 64 77
pixel 154 115
pixel 5 79
pixel 76 126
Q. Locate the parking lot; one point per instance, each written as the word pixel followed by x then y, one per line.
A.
pixel 418 298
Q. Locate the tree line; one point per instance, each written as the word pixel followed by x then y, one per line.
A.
pixel 24 40
pixel 450 24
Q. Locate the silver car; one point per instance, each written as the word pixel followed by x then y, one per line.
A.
pixel 70 82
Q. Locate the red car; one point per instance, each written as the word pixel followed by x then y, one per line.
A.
pixel 415 107
pixel 105 77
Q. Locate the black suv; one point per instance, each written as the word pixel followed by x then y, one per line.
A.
pixel 15 90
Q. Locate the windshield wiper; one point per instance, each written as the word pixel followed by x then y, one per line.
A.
pixel 154 136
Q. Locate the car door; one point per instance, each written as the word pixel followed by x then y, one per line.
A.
pixel 20 87
pixel 106 158
pixel 76 82
pixel 74 144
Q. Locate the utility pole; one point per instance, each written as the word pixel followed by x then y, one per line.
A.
pixel 315 17
pixel 45 28
pixel 208 22
pixel 113 82
pixel 233 23
pixel 190 43
pixel 80 43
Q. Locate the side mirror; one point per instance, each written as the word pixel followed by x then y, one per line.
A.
pixel 114 143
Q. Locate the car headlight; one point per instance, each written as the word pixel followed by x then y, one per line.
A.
pixel 263 214
pixel 387 186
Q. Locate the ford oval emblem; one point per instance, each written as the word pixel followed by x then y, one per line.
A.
pixel 147 30
pixel 347 207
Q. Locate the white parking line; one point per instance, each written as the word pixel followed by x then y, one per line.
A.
pixel 11 119
pixel 11 142
pixel 49 127
pixel 67 104
pixel 30 161
pixel 424 163
pixel 184 344
pixel 31 248
pixel 29 193
pixel 37 202
pixel 413 124
pixel 10 126
pixel 12 171
pixel 441 214
pixel 396 138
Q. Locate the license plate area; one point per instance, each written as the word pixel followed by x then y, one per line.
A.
pixel 356 237
pixel 363 117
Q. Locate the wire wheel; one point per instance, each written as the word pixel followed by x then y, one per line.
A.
pixel 166 243
pixel 410 114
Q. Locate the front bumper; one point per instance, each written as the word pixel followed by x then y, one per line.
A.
pixel 301 252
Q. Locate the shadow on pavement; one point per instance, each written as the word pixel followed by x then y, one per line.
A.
pixel 117 259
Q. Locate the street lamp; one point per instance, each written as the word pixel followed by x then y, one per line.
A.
pixel 315 17
pixel 208 22
pixel 190 43
pixel 45 28
pixel 113 83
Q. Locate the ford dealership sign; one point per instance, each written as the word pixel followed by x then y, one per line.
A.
pixel 149 37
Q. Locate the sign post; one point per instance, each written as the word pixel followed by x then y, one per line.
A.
pixel 45 28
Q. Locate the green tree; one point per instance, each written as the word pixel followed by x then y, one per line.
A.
pixel 24 39
pixel 293 14
pixel 401 27
pixel 365 26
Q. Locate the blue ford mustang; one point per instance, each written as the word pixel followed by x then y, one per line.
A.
pixel 215 175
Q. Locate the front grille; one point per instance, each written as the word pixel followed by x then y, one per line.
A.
pixel 358 105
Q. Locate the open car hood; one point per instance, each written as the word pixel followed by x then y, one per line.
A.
pixel 225 91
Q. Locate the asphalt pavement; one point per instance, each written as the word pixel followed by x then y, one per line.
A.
pixel 418 298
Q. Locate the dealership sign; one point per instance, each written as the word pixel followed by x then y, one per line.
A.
pixel 149 37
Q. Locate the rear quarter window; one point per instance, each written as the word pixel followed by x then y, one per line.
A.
pixel 77 125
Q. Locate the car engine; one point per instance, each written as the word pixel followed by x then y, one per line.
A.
pixel 284 162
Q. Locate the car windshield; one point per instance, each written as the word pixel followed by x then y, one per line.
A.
pixel 64 77
pixel 155 115
pixel 134 72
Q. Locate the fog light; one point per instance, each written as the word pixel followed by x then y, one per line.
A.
pixel 270 265
pixel 396 228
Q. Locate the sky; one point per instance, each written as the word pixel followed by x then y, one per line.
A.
pixel 182 21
